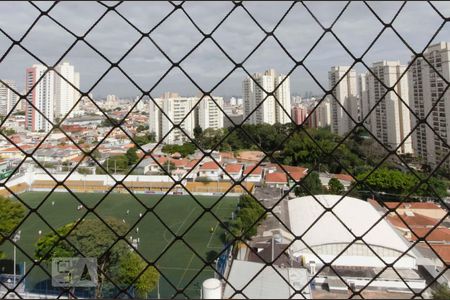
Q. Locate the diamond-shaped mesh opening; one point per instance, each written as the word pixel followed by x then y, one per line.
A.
pixel 276 150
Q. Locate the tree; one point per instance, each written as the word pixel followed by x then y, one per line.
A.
pixel 335 187
pixel 93 238
pixel 96 154
pixel 108 123
pixel 197 132
pixel 113 164
pixel 11 214
pixel 310 185
pixel 249 216
pixel 84 170
pixel 236 229
pixel 132 156
pixel 141 128
pixel 144 139
pixel 130 266
pixel 442 291
pixel 396 182
pixel 185 149
pixel 8 131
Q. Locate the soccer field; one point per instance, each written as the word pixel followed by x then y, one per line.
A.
pixel 179 264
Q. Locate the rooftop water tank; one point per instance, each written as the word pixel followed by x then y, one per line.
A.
pixel 212 289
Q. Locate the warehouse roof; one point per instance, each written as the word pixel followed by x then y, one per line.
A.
pixel 358 215
pixel 265 284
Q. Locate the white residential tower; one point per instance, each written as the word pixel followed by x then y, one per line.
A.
pixel 267 108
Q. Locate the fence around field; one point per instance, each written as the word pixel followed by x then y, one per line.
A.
pixel 136 183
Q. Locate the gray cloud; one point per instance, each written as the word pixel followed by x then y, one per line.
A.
pixel 238 36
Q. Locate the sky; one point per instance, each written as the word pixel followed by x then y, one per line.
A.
pixel 238 35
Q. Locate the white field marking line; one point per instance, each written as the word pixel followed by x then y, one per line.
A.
pixel 185 270
pixel 185 219
pixel 192 257
pixel 176 232
pixel 168 239
pixel 214 232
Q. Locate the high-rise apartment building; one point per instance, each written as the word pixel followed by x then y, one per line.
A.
pixel 364 105
pixel 42 98
pixel 208 114
pixel 426 88
pixel 7 97
pixel 65 94
pixel 299 113
pixel 175 109
pixel 344 102
pixel 268 109
pixel 390 119
pixel 320 117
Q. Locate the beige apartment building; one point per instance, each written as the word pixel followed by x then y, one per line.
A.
pixel 427 85
pixel 344 102
pixel 263 108
pixel 185 113
pixel 390 120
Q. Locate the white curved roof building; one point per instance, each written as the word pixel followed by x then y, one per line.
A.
pixel 322 231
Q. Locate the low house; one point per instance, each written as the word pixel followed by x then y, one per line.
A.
pixel 234 171
pixel 253 174
pixel 144 166
pixel 11 152
pixel 417 223
pixel 295 177
pixel 191 168
pixel 276 180
pixel 211 171
pixel 228 157
pixel 345 179
pixel 429 209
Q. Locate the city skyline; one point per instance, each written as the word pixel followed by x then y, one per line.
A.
pixel 298 32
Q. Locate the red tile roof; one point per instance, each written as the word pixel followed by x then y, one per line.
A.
pixel 417 220
pixel 344 177
pixel 179 163
pixel 286 168
pixel 78 158
pixel 297 175
pixel 438 234
pixel 276 177
pixel 162 160
pixel 233 168
pixel 14 149
pixel 73 128
pixel 413 205
pixel 227 155
pixel 191 164
pixel 292 169
pixel 210 165
pixel 443 251
pixel 256 172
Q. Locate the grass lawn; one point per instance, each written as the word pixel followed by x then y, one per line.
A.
pixel 179 264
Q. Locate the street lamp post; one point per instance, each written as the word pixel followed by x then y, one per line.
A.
pixel 16 238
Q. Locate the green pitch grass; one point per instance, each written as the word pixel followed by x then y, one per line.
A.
pixel 179 263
